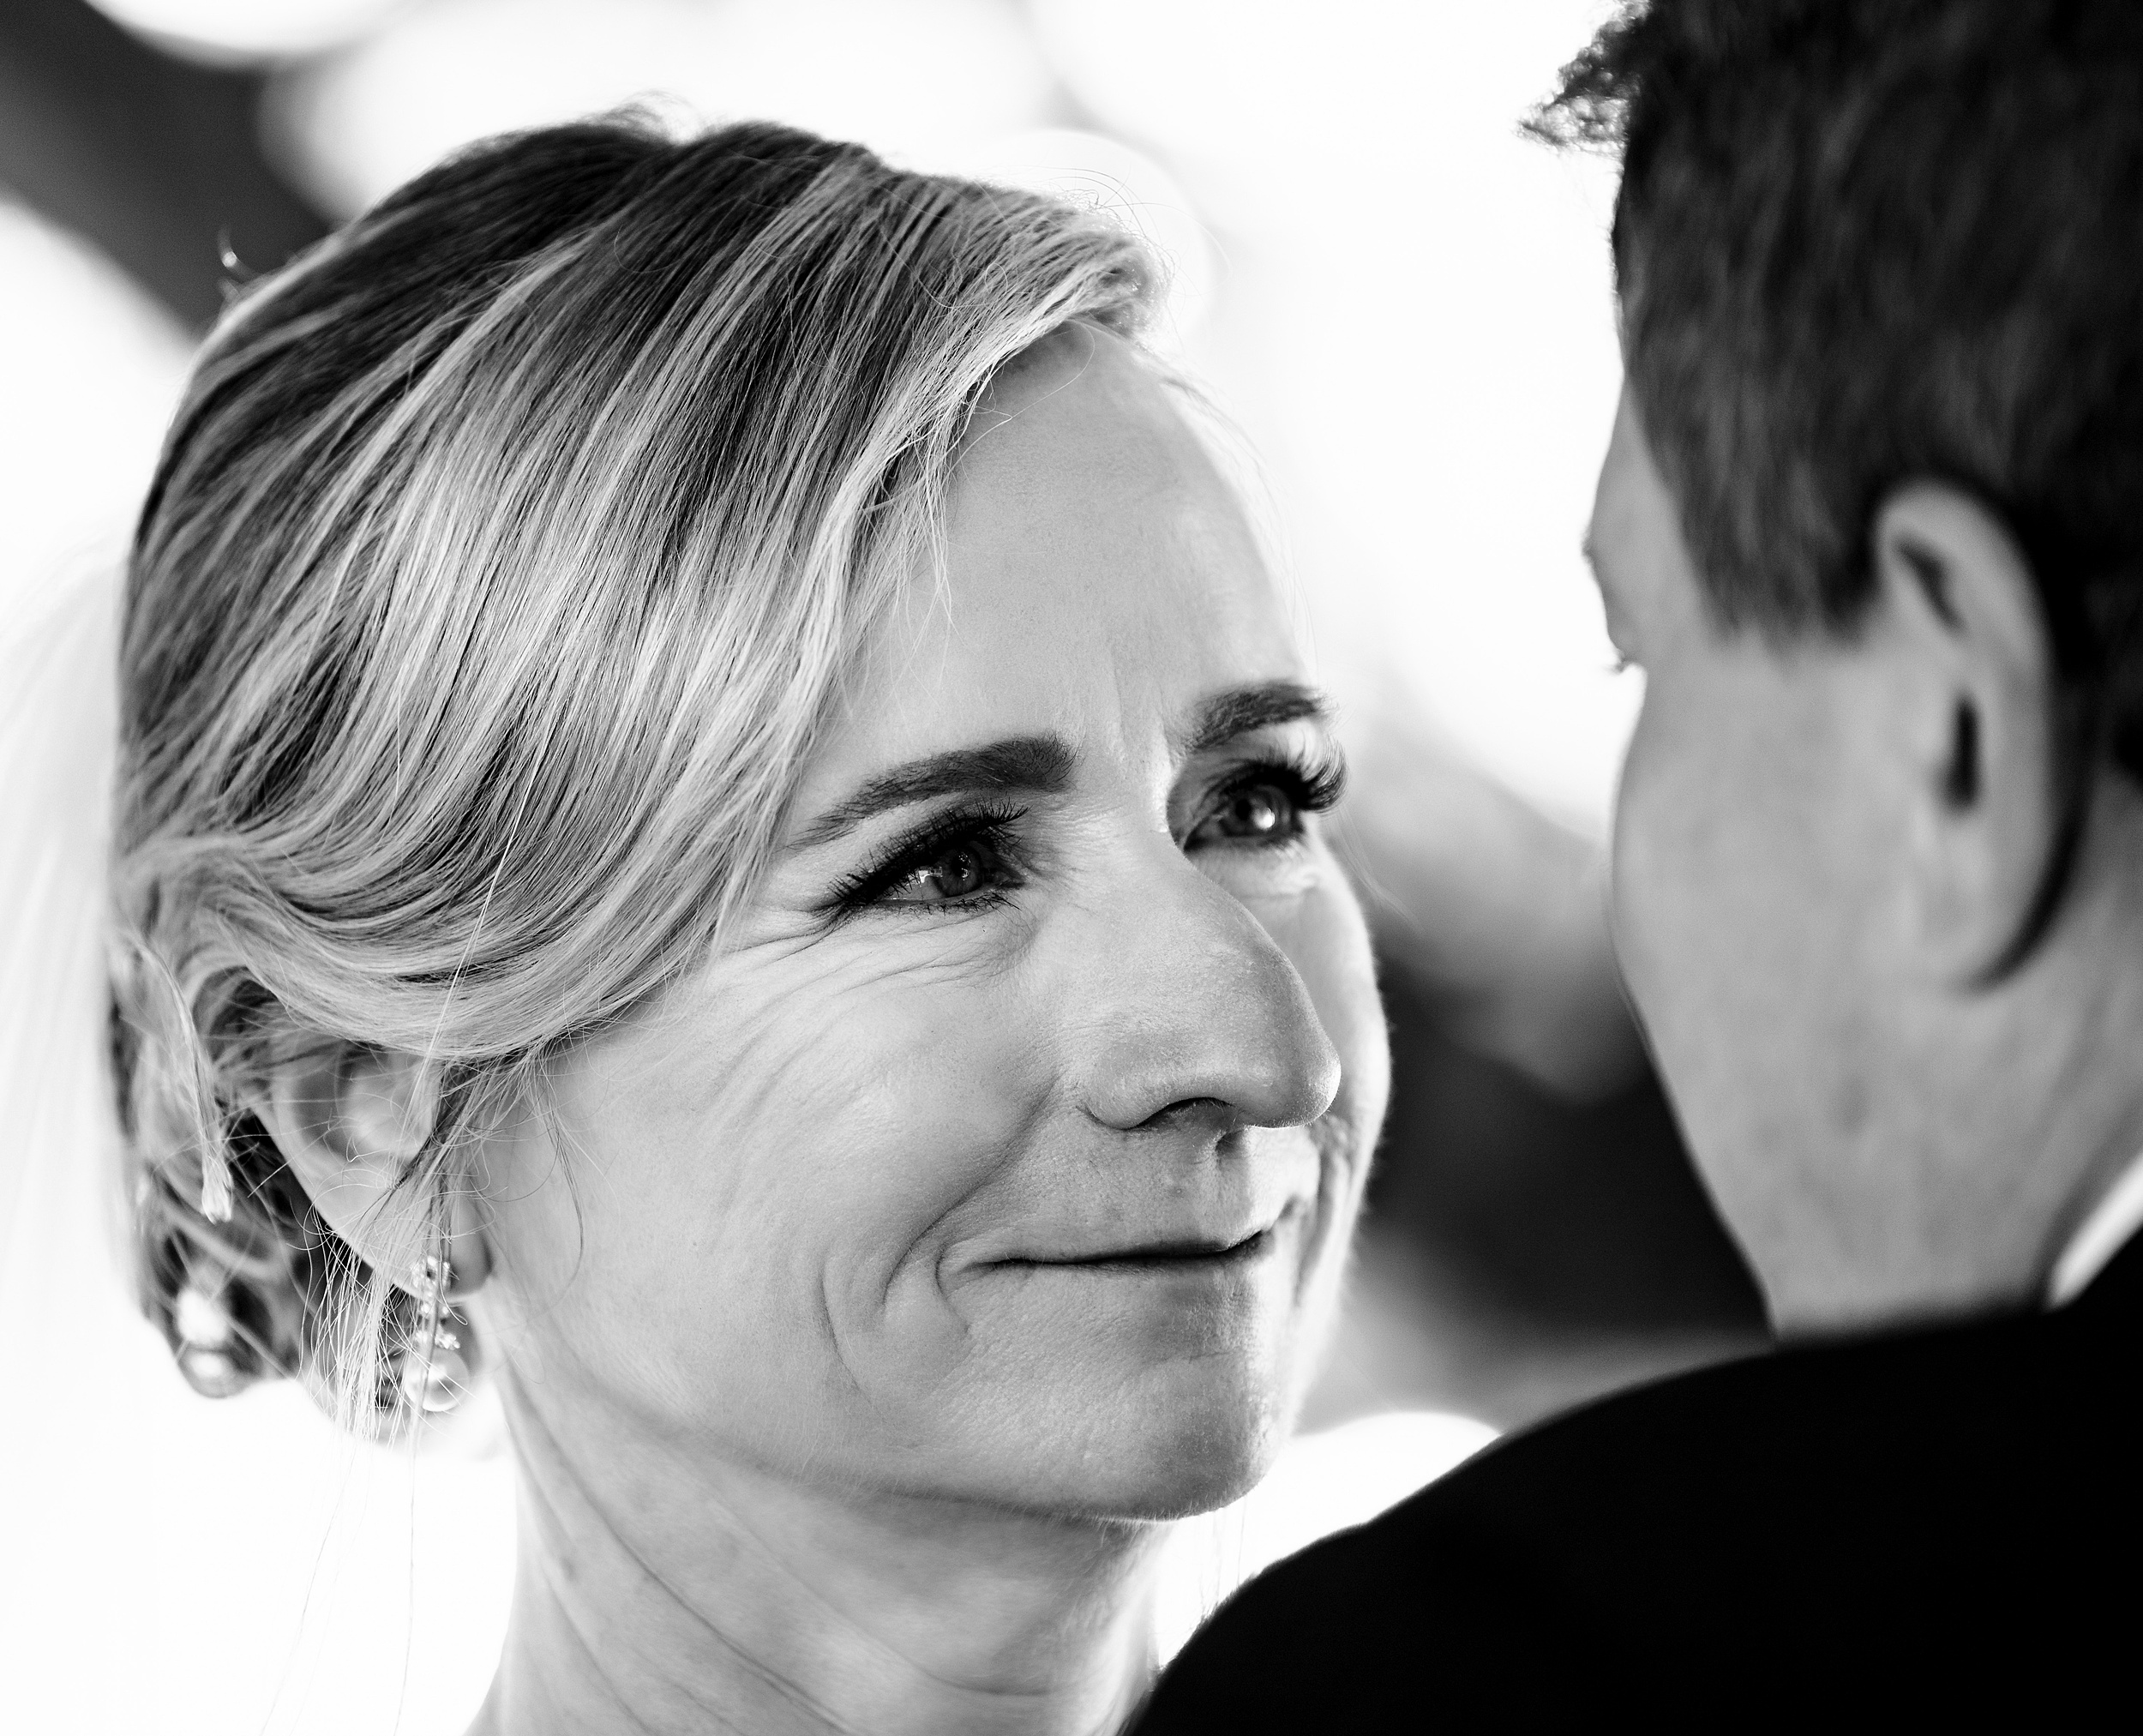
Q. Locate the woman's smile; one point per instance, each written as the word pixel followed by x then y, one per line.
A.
pixel 1186 1304
pixel 1182 1271
pixel 1149 1258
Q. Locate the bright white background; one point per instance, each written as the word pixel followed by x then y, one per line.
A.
pixel 1405 305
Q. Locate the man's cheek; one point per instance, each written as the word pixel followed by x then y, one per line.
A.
pixel 1630 851
pixel 1656 885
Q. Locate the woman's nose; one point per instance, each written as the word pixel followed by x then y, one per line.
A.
pixel 1198 1008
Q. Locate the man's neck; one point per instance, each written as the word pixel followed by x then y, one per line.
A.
pixel 1997 1118
pixel 2102 1086
pixel 656 1594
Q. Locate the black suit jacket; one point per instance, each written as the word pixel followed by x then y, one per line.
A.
pixel 1940 1520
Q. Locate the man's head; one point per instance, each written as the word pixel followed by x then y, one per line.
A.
pixel 1872 522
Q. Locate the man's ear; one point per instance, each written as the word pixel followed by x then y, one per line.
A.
pixel 349 1120
pixel 1977 686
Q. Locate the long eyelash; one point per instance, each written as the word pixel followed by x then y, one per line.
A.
pixel 992 825
pixel 1313 784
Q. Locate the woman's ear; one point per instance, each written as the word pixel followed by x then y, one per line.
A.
pixel 1976 681
pixel 349 1120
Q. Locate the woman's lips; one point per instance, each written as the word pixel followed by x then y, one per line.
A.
pixel 1162 1256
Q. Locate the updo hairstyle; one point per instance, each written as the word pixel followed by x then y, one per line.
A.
pixel 505 552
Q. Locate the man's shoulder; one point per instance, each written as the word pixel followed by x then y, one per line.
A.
pixel 1881 1433
pixel 1824 1423
pixel 1837 1494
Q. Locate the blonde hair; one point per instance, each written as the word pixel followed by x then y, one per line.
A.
pixel 504 555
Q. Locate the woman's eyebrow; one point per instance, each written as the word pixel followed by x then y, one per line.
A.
pixel 1225 716
pixel 1038 764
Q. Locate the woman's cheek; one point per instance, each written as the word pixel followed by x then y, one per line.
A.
pixel 887 1118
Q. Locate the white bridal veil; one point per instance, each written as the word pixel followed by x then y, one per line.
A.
pixel 175 1564
pixel 169 1562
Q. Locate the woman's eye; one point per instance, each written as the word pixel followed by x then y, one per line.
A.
pixel 1256 814
pixel 956 872
pixel 970 861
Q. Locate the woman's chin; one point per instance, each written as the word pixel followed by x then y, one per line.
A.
pixel 1167 1460
pixel 1190 1485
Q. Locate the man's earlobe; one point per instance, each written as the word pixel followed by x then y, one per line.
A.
pixel 1970 669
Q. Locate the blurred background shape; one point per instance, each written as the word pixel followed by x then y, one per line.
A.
pixel 240 32
pixel 1407 308
pixel 918 78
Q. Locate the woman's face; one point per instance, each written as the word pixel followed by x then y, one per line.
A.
pixel 1008 1149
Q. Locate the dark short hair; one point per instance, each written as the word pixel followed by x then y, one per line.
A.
pixel 1862 242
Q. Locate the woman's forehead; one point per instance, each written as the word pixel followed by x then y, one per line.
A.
pixel 1101 578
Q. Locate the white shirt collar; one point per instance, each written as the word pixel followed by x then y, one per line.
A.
pixel 2117 1216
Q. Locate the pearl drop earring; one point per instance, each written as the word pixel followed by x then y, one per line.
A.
pixel 435 1375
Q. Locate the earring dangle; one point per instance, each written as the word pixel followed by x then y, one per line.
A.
pixel 434 1373
pixel 208 1340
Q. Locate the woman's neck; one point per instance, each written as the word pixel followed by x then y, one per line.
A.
pixel 656 1595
